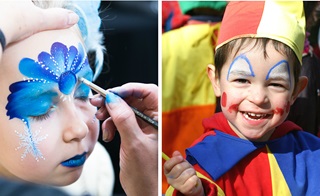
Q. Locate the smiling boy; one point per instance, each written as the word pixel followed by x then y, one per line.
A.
pixel 248 149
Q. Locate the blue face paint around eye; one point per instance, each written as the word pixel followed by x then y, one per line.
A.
pixel 241 64
pixel 280 70
pixel 36 94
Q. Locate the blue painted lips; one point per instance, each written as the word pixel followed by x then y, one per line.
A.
pixel 75 161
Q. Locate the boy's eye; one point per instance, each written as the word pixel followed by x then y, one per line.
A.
pixel 279 85
pixel 243 81
pixel 276 85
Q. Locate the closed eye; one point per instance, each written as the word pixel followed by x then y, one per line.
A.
pixel 82 98
pixel 44 116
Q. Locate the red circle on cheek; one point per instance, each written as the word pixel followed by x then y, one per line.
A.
pixel 224 99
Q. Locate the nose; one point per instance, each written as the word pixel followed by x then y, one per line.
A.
pixel 257 95
pixel 75 129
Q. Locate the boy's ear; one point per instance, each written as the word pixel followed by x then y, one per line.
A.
pixel 211 71
pixel 302 83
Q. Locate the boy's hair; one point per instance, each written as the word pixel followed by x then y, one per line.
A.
pixel 235 45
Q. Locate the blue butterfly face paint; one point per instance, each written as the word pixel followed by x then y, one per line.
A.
pixel 37 95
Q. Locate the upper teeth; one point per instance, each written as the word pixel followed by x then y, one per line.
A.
pixel 256 115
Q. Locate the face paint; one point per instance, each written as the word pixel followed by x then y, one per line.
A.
pixel 224 99
pixel 30 142
pixel 278 111
pixel 233 107
pixel 280 71
pixel 240 66
pixel 57 70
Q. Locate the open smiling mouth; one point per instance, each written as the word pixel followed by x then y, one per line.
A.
pixel 255 116
pixel 75 161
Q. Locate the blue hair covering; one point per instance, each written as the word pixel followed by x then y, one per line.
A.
pixel 89 24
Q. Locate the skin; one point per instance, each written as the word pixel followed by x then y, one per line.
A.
pixel 256 94
pixel 139 140
pixel 67 131
pixel 30 19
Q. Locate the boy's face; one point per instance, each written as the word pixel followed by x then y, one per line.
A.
pixel 48 127
pixel 256 92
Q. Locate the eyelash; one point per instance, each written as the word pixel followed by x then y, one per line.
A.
pixel 46 116
pixel 43 117
pixel 83 98
pixel 241 80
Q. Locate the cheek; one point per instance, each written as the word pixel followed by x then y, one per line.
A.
pixel 281 109
pixel 224 101
pixel 92 122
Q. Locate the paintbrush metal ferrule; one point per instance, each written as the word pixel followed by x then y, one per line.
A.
pixel 103 92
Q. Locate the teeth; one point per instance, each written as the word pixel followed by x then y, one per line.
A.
pixel 254 116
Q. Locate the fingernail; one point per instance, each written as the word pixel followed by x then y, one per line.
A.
pixel 96 98
pixel 72 18
pixel 111 97
pixel 105 135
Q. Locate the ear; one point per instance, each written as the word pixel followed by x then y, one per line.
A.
pixel 211 71
pixel 302 83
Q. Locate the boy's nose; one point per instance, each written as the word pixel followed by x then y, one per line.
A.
pixel 75 129
pixel 257 95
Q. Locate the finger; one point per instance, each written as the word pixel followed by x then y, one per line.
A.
pixel 36 20
pixel 191 185
pixel 97 100
pixel 171 163
pixel 108 130
pixel 138 90
pixel 123 118
pixel 176 153
pixel 146 92
pixel 57 18
pixel 102 113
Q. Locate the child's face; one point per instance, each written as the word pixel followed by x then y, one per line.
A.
pixel 256 92
pixel 47 125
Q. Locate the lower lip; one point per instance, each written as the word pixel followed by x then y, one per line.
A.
pixel 75 161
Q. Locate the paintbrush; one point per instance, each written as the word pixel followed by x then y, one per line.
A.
pixel 103 92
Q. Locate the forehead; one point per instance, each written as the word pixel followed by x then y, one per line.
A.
pixel 258 54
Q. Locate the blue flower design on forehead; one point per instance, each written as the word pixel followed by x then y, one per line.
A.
pixel 61 66
pixel 55 70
